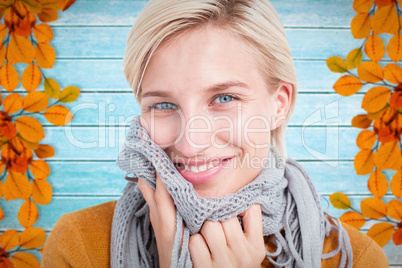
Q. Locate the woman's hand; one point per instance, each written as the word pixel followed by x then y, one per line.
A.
pixel 224 244
pixel 163 218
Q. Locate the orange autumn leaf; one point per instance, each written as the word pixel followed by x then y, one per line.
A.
pixel 24 260
pixel 9 77
pixel 29 145
pixel 31 77
pixel 388 115
pixel 9 239
pixel 7 194
pixel 377 184
pixel 381 233
pixel 35 101
pixel 65 4
pixel 40 169
pixel 32 237
pixel 386 134
pixel 5 262
pixel 364 161
pixel 393 73
pixel 397 237
pixel 18 184
pixel 30 128
pixel 340 201
pixel 385 20
pixel 10 18
pixel 51 4
pixel 21 9
pixel 69 94
pixel 361 25
pixel 353 219
pixel 19 164
pixel 28 213
pixel 7 129
pixel 370 72
pixel 1 212
pixel 366 139
pixel 362 6
pixel 1 171
pixel 17 145
pixel 394 209
pixel 3 31
pixel 52 88
pixel 3 51
pixel 48 15
pixel 12 103
pixel 0 183
pixel 44 151
pixel 23 27
pixel 43 33
pixel 396 100
pixel 361 121
pixel 20 49
pixel 394 48
pixel 382 3
pixel 375 99
pixel 45 55
pixel 373 208
pixel 374 48
pixel 336 64
pixel 354 58
pixel 30 19
pixel 7 153
pixel 41 192
pixel 388 156
pixel 58 115
pixel 396 184
pixel 33 6
pixel 347 85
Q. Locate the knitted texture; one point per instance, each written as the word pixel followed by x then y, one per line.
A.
pixel 284 191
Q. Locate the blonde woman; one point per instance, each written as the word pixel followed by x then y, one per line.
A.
pixel 209 180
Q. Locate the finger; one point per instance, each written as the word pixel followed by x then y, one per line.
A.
pixel 252 223
pixel 162 195
pixel 199 252
pixel 166 208
pixel 215 238
pixel 163 199
pixel 233 232
pixel 147 192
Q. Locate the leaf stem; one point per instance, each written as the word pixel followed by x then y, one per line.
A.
pixel 20 249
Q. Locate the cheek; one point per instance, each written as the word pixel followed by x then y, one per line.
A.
pixel 257 132
pixel 163 131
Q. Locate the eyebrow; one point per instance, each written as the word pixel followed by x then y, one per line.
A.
pixel 214 88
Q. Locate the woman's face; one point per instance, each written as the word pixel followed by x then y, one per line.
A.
pixel 206 104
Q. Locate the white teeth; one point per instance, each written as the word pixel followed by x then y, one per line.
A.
pixel 198 169
pixel 194 169
pixel 202 168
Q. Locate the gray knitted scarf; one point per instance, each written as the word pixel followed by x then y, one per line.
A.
pixel 284 191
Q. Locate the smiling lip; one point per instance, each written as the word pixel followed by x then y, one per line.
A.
pixel 206 175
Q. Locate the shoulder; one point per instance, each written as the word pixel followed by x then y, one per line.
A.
pixel 366 252
pixel 81 238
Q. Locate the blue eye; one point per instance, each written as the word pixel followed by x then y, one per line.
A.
pixel 225 98
pixel 164 106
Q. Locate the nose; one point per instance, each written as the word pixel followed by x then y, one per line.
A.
pixel 195 135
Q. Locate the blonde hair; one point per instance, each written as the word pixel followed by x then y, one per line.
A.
pixel 254 21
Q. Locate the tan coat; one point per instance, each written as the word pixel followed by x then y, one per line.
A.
pixel 82 239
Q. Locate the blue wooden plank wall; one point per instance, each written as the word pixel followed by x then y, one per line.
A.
pixel 89 39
